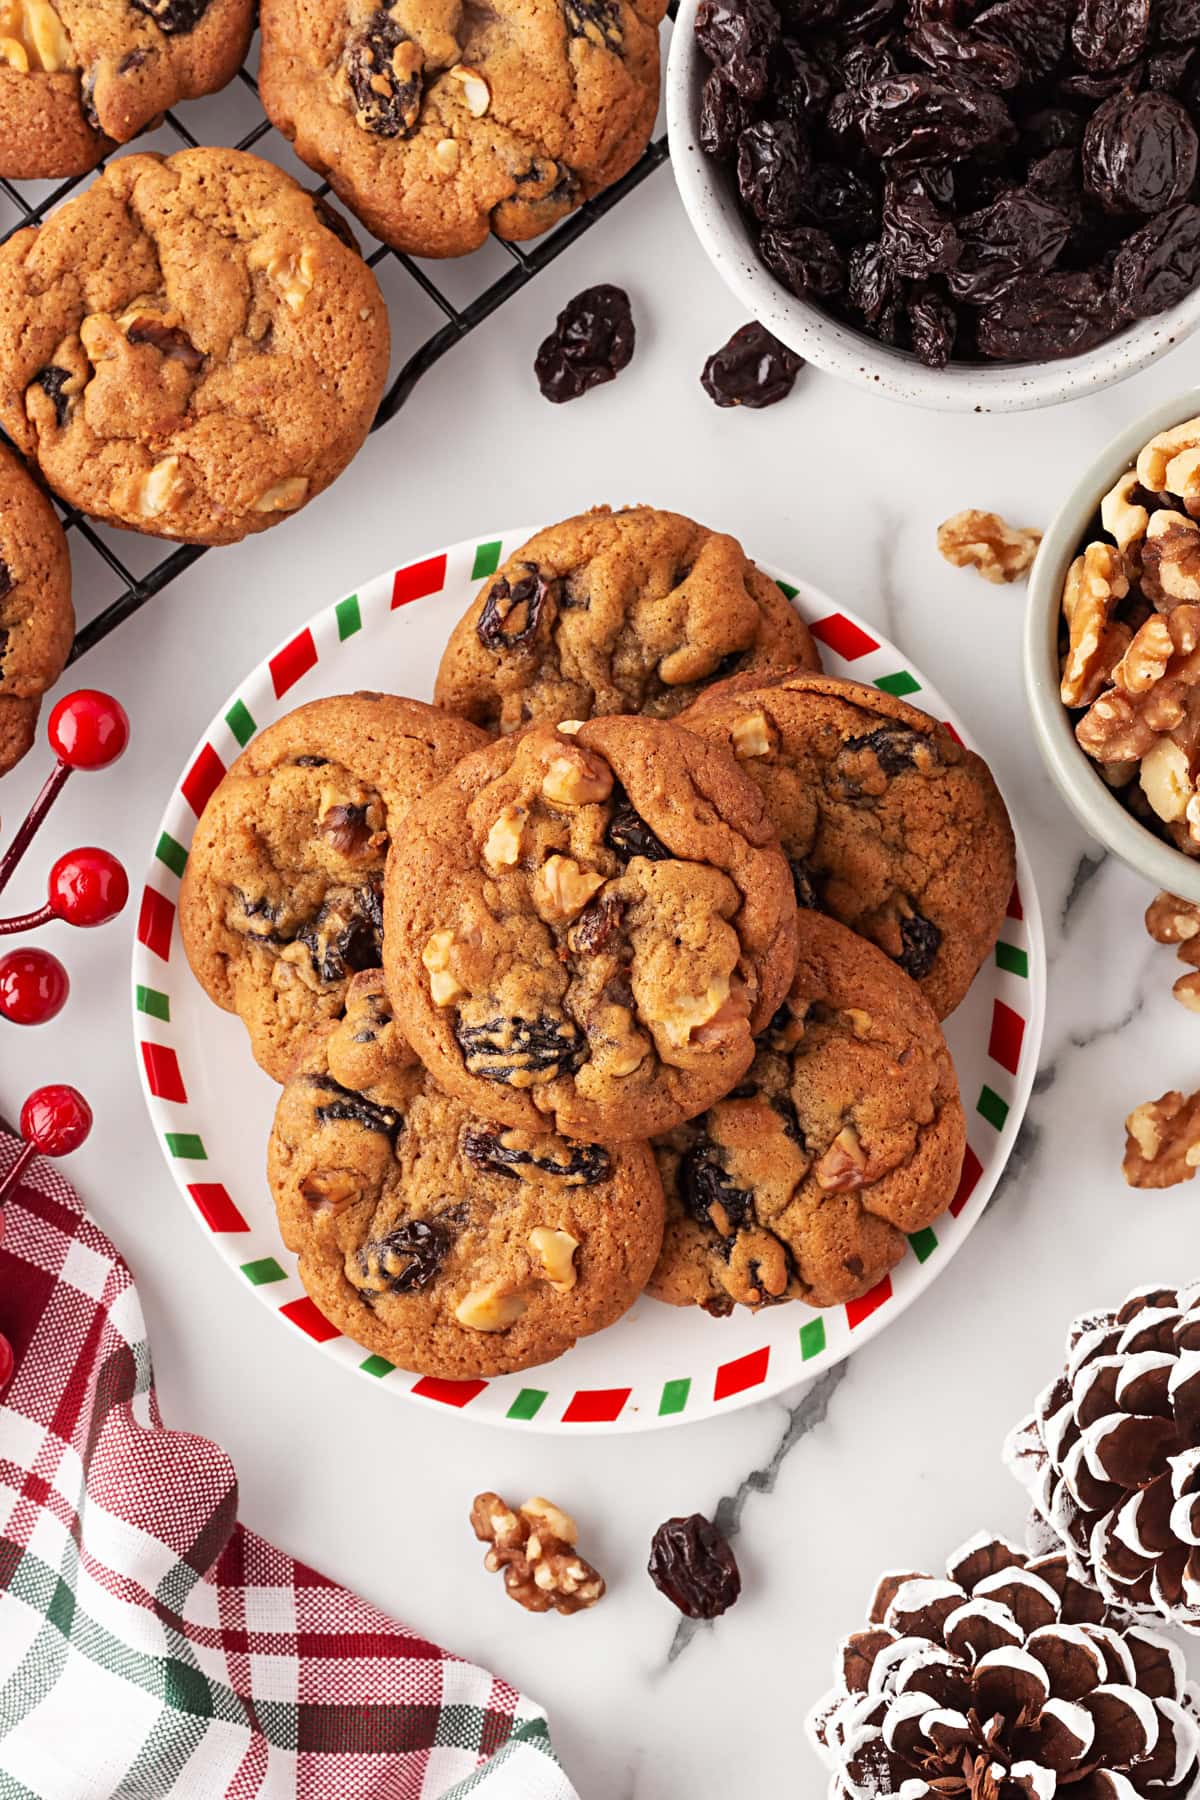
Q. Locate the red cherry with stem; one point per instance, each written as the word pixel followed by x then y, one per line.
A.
pixel 87 887
pixel 33 986
pixel 56 1119
pixel 7 1363
pixel 88 729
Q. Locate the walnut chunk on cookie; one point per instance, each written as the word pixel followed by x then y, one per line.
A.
pixel 439 1239
pixel 616 612
pixel 613 1009
pixel 846 1136
pixel 438 124
pixel 535 1546
pixel 188 348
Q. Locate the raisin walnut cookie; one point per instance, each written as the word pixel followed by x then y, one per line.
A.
pixel 189 348
pixel 79 76
pixel 847 1134
pixel 442 1241
pixel 438 123
pixel 889 823
pixel 616 612
pixel 282 898
pixel 587 925
pixel 37 620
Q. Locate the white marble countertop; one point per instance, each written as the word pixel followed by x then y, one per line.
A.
pixel 893 1458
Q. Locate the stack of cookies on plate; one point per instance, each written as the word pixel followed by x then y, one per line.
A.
pixel 618 969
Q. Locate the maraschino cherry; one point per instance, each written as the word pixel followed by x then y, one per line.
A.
pixel 54 1121
pixel 33 986
pixel 88 729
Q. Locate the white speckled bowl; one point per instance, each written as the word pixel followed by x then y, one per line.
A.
pixel 707 191
pixel 1074 774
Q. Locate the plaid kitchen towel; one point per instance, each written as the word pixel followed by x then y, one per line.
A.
pixel 150 1645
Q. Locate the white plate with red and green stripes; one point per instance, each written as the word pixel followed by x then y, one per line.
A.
pixel 211 1107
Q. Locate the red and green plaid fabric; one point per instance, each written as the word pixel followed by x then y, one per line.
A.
pixel 150 1645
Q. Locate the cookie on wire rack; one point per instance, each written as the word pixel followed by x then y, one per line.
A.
pixel 37 619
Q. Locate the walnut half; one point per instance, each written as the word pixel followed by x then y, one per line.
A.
pixel 535 1546
pixel 984 541
pixel 1162 1141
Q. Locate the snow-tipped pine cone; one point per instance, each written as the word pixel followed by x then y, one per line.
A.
pixel 1006 1681
pixel 1111 1455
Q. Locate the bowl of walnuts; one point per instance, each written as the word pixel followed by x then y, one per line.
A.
pixel 1112 646
pixel 985 208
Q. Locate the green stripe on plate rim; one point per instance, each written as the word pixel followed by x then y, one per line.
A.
pixel 923 1243
pixel 379 1366
pixel 262 1270
pixel 187 1145
pixel 487 560
pixel 241 723
pixel 992 1107
pixel 171 854
pixel 812 1339
pixel 349 617
pixel 153 1004
pixel 528 1404
pixel 898 685
pixel 1012 960
pixel 675 1396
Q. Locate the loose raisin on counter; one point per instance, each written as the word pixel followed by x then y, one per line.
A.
pixel 694 1566
pixel 753 369
pixel 592 341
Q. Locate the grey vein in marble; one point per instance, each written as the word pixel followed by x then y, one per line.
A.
pixel 1086 870
pixel 808 1412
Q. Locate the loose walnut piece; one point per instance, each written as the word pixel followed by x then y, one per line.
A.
pixel 1162 1142
pixel 1122 514
pixel 984 541
pixel 1171 561
pixel 1187 990
pixel 535 1546
pixel 1170 920
pixel 1095 582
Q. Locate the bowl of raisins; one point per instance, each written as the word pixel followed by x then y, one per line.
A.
pixel 1112 647
pixel 970 204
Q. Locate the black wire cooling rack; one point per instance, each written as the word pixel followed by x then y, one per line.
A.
pixel 458 321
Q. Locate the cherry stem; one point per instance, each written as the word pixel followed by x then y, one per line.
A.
pixel 8 1182
pixel 27 921
pixel 27 830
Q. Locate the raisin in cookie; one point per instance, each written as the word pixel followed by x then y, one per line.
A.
pixel 77 75
pixel 37 620
pixel 587 926
pixel 439 1240
pixel 281 901
pixel 438 123
pixel 888 822
pixel 847 1135
pixel 189 348
pixel 616 612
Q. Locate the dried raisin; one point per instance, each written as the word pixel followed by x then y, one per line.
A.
pixel 629 835
pixel 592 341
pixel 920 941
pixel 345 1106
pixel 1139 153
pixel 519 1050
pixel 406 1260
pixel 383 66
pixel 578 1165
pixel 173 16
pixel 513 610
pixel 694 1566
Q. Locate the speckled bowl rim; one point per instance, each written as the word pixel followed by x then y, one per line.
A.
pixel 710 206
pixel 1075 776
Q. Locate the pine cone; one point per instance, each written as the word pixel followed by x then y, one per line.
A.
pixel 1007 1681
pixel 1111 1455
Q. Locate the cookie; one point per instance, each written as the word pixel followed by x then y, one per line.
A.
pixel 435 1238
pixel 79 76
pixel 847 1135
pixel 586 926
pixel 634 611
pixel 438 124
pixel 37 620
pixel 189 348
pixel 889 823
pixel 281 901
